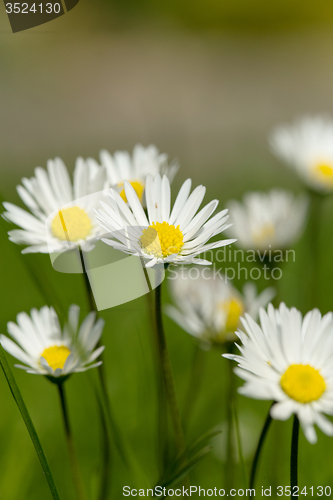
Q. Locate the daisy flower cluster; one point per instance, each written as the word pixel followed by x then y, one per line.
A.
pixel 134 209
pixel 125 201
pixel 62 211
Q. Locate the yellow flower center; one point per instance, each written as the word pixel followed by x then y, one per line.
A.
pixel 71 224
pixel 303 383
pixel 324 172
pixel 136 185
pixel 56 356
pixel 162 239
pixel 234 309
pixel 266 232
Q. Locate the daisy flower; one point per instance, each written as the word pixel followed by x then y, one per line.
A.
pixel 144 161
pixel 289 359
pixel 208 307
pixel 307 146
pixel 47 349
pixel 61 212
pixel 166 236
pixel 268 221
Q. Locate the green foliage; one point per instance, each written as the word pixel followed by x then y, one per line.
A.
pixel 182 465
pixel 131 378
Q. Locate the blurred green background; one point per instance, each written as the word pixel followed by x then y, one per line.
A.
pixel 205 82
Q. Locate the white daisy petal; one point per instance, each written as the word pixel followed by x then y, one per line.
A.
pixel 85 368
pixel 166 198
pixel 283 410
pixel 135 204
pixel 157 190
pixel 60 180
pixel 95 354
pixel 28 200
pixel 23 218
pixel 190 208
pixel 180 200
pixel 198 221
pixel 14 350
pixel 80 179
pixel 324 424
pixel 86 327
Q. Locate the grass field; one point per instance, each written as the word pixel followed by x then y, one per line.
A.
pixel 131 377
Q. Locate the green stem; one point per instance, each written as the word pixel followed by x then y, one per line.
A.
pixel 28 422
pixel 294 458
pixel 162 417
pixel 90 297
pixel 70 445
pixel 259 448
pixel 229 469
pixel 166 371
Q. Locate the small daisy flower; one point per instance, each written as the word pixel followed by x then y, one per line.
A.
pixel 144 161
pixel 61 212
pixel 209 307
pixel 289 359
pixel 166 236
pixel 307 146
pixel 47 349
pixel 268 221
